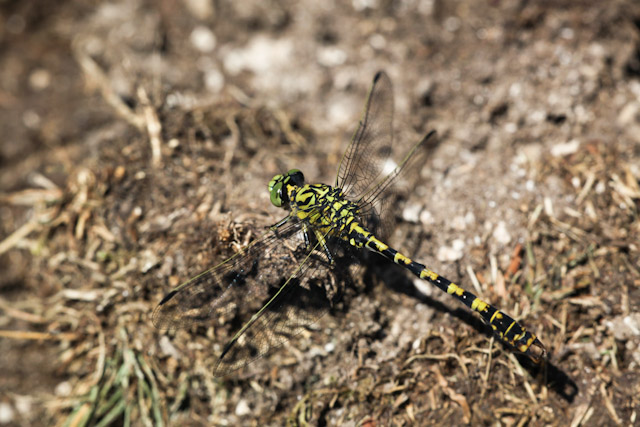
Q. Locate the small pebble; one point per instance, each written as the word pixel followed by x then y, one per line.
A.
pixel 426 218
pixel 242 408
pixel 6 413
pixel 564 149
pixel 331 56
pixel 625 327
pixel 63 389
pixel 167 347
pixel 40 79
pixel 501 234
pixel 203 39
pixel 411 213
pixel 453 253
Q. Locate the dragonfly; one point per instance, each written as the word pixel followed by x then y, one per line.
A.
pixel 296 268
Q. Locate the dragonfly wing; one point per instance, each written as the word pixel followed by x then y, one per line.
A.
pixel 301 300
pixel 375 211
pixel 367 172
pixel 209 296
pixel 277 269
pixel 364 160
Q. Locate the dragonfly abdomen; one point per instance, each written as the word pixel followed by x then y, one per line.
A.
pixel 503 325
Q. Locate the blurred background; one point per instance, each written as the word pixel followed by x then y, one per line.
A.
pixel 138 138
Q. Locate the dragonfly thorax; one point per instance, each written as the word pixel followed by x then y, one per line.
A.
pixel 326 209
pixel 323 207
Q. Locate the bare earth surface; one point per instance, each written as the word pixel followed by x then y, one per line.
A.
pixel 137 142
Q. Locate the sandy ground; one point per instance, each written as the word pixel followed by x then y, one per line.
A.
pixel 137 142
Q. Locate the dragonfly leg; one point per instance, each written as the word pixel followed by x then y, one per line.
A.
pixel 280 223
pixel 305 234
pixel 323 241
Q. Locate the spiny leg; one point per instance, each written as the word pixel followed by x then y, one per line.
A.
pixel 323 242
pixel 280 223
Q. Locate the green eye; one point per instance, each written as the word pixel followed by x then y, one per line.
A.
pixel 275 190
pixel 293 177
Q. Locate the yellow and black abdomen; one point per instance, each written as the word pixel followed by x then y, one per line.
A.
pixel 503 325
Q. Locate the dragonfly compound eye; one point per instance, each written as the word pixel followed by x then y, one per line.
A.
pixel 275 190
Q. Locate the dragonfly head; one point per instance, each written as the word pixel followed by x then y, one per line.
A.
pixel 278 186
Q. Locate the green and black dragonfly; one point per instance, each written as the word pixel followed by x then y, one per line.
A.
pixel 295 268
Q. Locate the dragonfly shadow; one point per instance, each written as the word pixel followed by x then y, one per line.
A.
pixel 560 382
pixel 396 279
pixel 544 371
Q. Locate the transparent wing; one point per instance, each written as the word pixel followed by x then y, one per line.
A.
pixel 374 204
pixel 367 173
pixel 364 160
pixel 293 279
